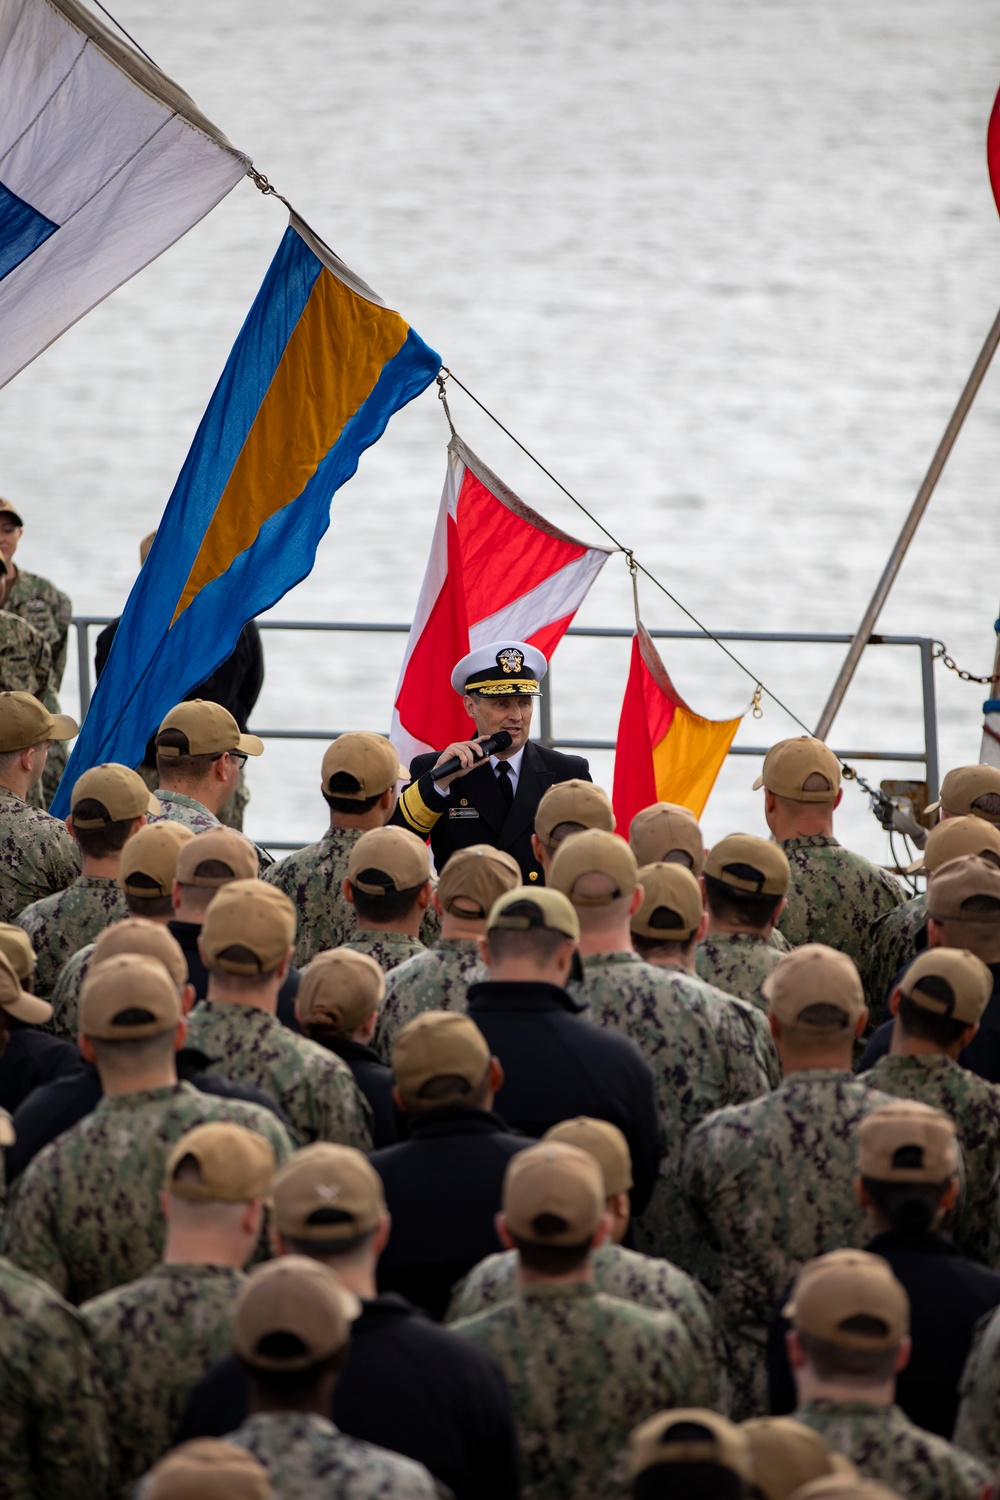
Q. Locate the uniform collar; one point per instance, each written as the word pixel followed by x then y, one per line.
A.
pixel 511 995
pixel 811 841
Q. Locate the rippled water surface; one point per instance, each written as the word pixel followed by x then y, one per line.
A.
pixel 724 267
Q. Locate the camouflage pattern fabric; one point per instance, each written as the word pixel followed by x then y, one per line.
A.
pixel 834 896
pixel 886 1446
pixel 155 1338
pixel 53 1427
pixel 737 962
pixel 434 980
pixel 65 997
pixel 313 1086
pixel 60 925
pixel 583 1369
pixel 702 1057
pixel 308 1458
pixel 311 878
pixel 621 1273
pixel 85 1215
pixel 388 949
pixel 779 941
pixel 37 855
pixel 179 808
pixel 25 658
pixel 771 1184
pixel 974 1105
pixel 977 1426
pixel 49 611
pixel 893 942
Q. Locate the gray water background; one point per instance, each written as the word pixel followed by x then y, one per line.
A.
pixel 724 266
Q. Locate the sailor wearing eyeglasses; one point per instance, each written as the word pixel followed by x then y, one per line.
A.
pixel 199 753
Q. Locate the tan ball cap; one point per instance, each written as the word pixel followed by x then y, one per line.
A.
pixel 573 802
pixel 370 758
pixel 151 855
pixel 558 1179
pixel 208 728
pixel 959 882
pixel 234 1165
pixel 671 904
pixel 786 1454
pixel 119 790
pixel 139 935
pixel 128 997
pixel 814 975
pixel 949 982
pixel 248 915
pixel 17 1002
pixel 846 1284
pixel 845 1487
pixel 906 1125
pixel 208 1469
pixel 477 876
pixel 439 1044
pixel 605 1143
pixel 962 786
pixel 790 763
pixel 953 838
pixel 294 1296
pixel 6 509
pixel 660 833
pixel 342 985
pixel 688 1435
pixel 222 846
pixel 594 852
pixel 746 863
pixel 327 1193
pixel 402 858
pixel 525 907
pixel 25 722
pixel 16 944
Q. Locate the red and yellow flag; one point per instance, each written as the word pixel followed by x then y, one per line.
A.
pixel 664 751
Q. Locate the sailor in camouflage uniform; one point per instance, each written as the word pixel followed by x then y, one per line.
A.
pixel 582 1368
pixel 437 980
pixel 977 1426
pixel 902 932
pixel 618 1272
pixel 359 777
pixel 53 1426
pixel 388 882
pixel 746 880
pixel 85 1214
pixel 834 895
pixel 294 1315
pixel 25 660
pixel 109 804
pixel 247 941
pixel 37 855
pixel 156 1337
pixel 851 1321
pixel 49 612
pixel 771 1183
pixel 701 1054
pixel 937 1004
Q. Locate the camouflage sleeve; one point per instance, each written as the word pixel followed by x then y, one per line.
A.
pixel 347 1115
pixel 65 997
pixel 752 1064
pixel 73 1451
pixel 977 1426
pixel 29 1236
pixel 25 657
pixel 697 1179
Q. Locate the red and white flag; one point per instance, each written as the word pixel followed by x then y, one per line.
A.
pixel 497 571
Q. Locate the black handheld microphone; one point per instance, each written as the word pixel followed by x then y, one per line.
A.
pixel 499 741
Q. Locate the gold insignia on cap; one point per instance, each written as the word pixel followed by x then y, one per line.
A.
pixel 510 660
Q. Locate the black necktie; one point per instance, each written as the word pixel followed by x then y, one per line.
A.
pixel 506 785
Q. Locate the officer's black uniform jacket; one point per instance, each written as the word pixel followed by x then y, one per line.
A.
pixel 948 1295
pixel 475 811
pixel 558 1064
pixel 443 1188
pixel 410 1386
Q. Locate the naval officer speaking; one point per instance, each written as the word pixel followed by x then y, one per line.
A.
pixel 466 795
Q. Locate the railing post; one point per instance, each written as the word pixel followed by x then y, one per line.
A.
pixel 545 711
pixel 83 665
pixel 930 719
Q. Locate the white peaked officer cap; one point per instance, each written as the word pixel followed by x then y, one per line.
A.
pixel 500 669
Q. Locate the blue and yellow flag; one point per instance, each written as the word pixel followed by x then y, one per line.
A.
pixel 318 369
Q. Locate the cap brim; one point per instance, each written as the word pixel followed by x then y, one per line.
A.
pixel 154 807
pixel 63 728
pixel 7 1136
pixel 250 744
pixel 932 806
pixel 8 510
pixel 757 784
pixel 918 864
pixel 30 1009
